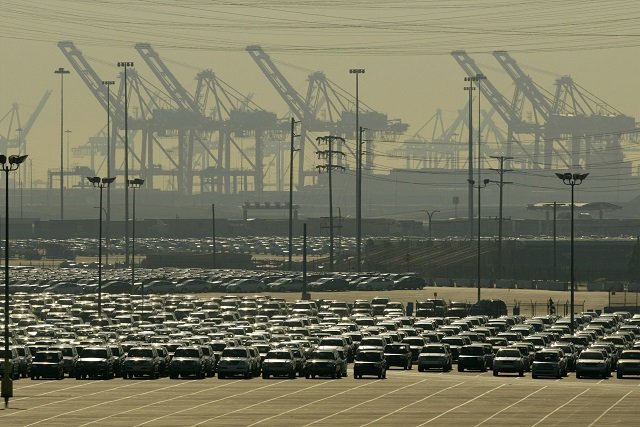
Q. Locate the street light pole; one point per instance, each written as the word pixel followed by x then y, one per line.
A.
pixel 126 65
pixel 100 183
pixel 108 84
pixel 7 382
pixel 479 187
pixel 62 72
pixel 291 151
pixel 213 229
pixel 470 180
pixel 430 216
pixel 68 132
pixel 572 179
pixel 357 72
pixel 135 184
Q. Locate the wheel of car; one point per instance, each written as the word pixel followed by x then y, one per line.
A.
pixel 307 376
pixel 484 368
pixel 203 375
pixel 521 373
pixel 384 374
pixel 314 376
pixel 460 368
pixel 265 376
pixel 333 375
pixel 534 376
pixel 173 376
pixel 78 376
pixel 578 375
pixel 379 375
pixel 619 375
pixel 421 369
pixel 292 375
pixel 247 375
pixel 559 375
pixel 220 376
pixel 495 373
pixel 33 377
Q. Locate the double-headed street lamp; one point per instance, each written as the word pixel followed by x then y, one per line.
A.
pixel 479 187
pixel 357 72
pixel 572 179
pixel 125 65
pixel 430 215
pixel 100 183
pixel 108 84
pixel 8 164
pixel 135 184
pixel 62 72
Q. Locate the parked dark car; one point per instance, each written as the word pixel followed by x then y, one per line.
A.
pixel 472 357
pixel 398 354
pixel 324 363
pixel 14 362
pixel 95 361
pixel 141 361
pixel 70 356
pixel 235 361
pixel 187 361
pixel 25 360
pixel 628 363
pixel 48 364
pixel 549 363
pixel 279 362
pixel 435 356
pixel 370 362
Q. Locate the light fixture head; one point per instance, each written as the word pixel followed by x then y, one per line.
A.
pixel 580 176
pixel 94 179
pixel 3 159
pixel 16 160
pixel 108 180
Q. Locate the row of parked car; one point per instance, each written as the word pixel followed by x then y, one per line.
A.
pixel 173 280
pixel 184 335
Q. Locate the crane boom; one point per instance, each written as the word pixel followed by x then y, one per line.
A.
pixel 91 78
pixel 541 104
pixel 293 99
pixel 34 116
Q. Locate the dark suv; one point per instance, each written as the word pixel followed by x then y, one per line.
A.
pixel 235 361
pixel 188 361
pixel 472 357
pixel 370 362
pixel 48 364
pixel 398 354
pixel 324 362
pixel 141 361
pixel 14 362
pixel 95 361
pixel 70 356
pixel 280 361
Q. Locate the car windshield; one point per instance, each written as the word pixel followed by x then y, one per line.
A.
pixel 66 351
pixel 453 341
pixel 509 353
pixel 592 355
pixel 140 352
pixel 368 356
pixel 283 355
pixel 46 357
pixel 414 341
pixel 99 353
pixel 323 355
pixel 332 342
pixel 218 346
pixel 187 352
pixel 546 357
pixel 379 342
pixel 630 355
pixel 396 348
pixel 3 354
pixel 472 351
pixel 433 349
pixel 234 352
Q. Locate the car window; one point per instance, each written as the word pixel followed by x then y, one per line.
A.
pixel 46 357
pixel 630 355
pixel 98 353
pixel 323 355
pixel 140 352
pixel 592 355
pixel 433 349
pixel 187 352
pixel 472 351
pixel 234 352
pixel 508 353
pixel 368 357
pixel 283 355
pixel 546 357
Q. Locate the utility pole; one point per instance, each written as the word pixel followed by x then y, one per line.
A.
pixel 329 167
pixel 501 183
pixel 470 179
pixel 213 231
pixel 555 248
pixel 125 65
pixel 357 72
pixel 430 215
pixel 108 84
pixel 291 151
pixel 62 72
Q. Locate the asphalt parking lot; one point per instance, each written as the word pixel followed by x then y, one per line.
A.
pixel 405 398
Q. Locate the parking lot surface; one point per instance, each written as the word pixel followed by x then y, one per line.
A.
pixel 406 398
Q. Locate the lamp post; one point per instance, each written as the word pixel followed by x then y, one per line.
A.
pixel 357 72
pixel 68 132
pixel 470 180
pixel 62 72
pixel 135 184
pixel 126 65
pixel 100 183
pixel 430 215
pixel 572 179
pixel 108 84
pixel 479 187
pixel 8 165
pixel 21 181
pixel 213 230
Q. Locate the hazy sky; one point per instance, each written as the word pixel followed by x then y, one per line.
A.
pixel 404 45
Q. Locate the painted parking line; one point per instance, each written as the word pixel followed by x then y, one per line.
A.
pixel 560 407
pixel 311 403
pixel 609 409
pixel 411 404
pixel 44 394
pixel 66 400
pixel 100 404
pixel 365 402
pixel 510 406
pixel 256 404
pixel 155 403
pixel 460 405
pixel 207 403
